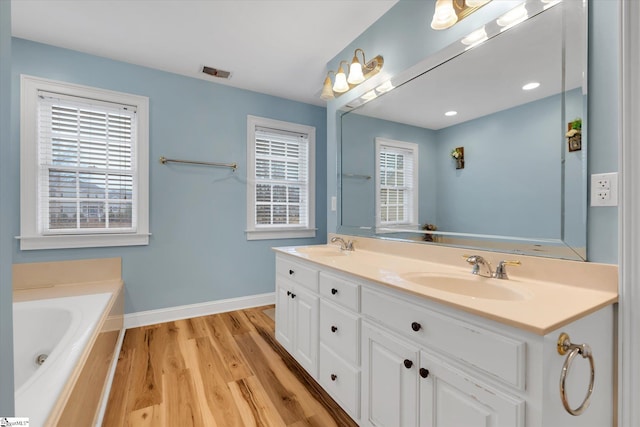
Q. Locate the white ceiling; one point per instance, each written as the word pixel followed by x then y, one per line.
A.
pixel 277 47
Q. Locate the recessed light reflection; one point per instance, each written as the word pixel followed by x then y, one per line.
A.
pixel 531 86
pixel 450 113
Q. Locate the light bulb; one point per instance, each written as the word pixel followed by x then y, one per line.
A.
pixel 355 72
pixel 327 92
pixel 444 15
pixel 340 84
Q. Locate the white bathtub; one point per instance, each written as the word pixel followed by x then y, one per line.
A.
pixel 60 328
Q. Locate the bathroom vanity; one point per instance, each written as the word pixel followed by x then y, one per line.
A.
pixel 398 341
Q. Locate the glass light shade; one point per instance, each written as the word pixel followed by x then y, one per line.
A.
pixel 444 15
pixel 476 3
pixel 476 37
pixel 327 92
pixel 341 84
pixel 355 72
pixel 385 87
pixel 513 17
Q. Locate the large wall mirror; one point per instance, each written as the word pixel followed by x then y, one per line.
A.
pixel 506 172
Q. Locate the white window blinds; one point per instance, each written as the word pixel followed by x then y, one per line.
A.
pixel 396 185
pixel 282 179
pixel 87 177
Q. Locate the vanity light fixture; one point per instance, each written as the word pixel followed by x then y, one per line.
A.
pixel 512 18
pixel 451 113
pixel 475 38
pixel 531 86
pixel 448 12
pixel 358 73
pixel 341 85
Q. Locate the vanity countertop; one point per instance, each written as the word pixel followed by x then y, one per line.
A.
pixel 538 305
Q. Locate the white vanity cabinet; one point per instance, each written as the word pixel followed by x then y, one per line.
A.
pixel 297 311
pixel 391 358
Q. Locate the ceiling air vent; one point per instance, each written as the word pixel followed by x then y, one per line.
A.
pixel 216 72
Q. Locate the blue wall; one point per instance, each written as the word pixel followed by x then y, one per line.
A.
pixel 198 250
pixel 6 239
pixel 404 38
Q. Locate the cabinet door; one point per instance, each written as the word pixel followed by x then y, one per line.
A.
pixel 390 379
pixel 452 398
pixel 305 324
pixel 284 314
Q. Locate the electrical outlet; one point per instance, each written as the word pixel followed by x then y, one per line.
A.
pixel 604 189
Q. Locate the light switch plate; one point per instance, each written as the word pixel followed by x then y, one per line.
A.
pixel 604 189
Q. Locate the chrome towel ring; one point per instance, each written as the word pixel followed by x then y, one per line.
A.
pixel 565 346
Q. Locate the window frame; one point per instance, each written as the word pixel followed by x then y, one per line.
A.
pixel 253 231
pixel 414 211
pixel 31 236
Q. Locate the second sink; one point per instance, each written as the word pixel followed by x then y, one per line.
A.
pixel 474 286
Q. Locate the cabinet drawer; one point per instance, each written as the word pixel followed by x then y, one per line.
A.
pixel 340 331
pixel 341 380
pixel 340 291
pixel 299 273
pixel 499 356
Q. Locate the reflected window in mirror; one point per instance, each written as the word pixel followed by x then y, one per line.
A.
pixel 396 183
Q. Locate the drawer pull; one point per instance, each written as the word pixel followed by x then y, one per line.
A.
pixel 288 293
pixel 416 326
pixel 334 329
pixel 334 291
pixel 408 363
pixel 334 377
pixel 291 272
pixel 424 373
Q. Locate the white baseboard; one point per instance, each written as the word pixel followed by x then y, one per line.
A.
pixel 150 317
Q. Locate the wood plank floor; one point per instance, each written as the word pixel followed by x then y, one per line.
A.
pixel 223 370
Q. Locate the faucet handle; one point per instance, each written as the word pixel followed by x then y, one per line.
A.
pixel 501 269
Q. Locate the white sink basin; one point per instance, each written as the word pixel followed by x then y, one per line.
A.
pixel 472 286
pixel 323 251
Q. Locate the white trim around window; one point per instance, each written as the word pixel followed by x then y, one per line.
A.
pixel 403 181
pixel 34 231
pixel 293 193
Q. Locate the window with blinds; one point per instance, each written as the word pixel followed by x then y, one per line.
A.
pixel 280 163
pixel 84 166
pixel 87 166
pixel 396 178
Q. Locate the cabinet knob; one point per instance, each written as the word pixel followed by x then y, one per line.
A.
pixel 334 377
pixel 424 373
pixel 416 326
pixel 291 271
pixel 408 363
pixel 288 293
pixel 334 328
pixel 293 295
pixel 334 291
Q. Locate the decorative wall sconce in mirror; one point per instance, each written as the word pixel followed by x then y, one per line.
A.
pixel 358 73
pixel 448 12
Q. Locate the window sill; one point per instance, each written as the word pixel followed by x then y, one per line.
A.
pixel 280 234
pixel 28 243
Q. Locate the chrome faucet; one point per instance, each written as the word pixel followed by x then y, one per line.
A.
pixel 501 269
pixel 344 246
pixel 477 261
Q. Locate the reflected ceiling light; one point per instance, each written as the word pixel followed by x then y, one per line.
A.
pixel 475 38
pixel 341 85
pixel 450 113
pixel 355 71
pixel 531 86
pixel 549 3
pixel 444 15
pixel 477 3
pixel 385 87
pixel 369 95
pixel 358 73
pixel 327 90
pixel 513 17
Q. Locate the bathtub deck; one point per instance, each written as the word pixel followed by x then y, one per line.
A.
pixel 221 370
